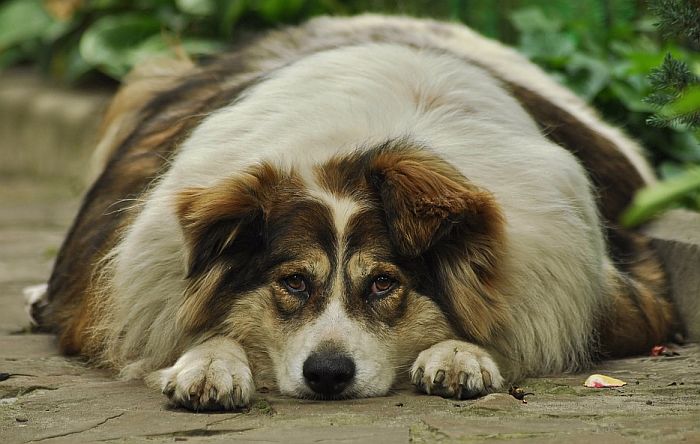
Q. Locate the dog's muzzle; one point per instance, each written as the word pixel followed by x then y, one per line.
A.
pixel 328 373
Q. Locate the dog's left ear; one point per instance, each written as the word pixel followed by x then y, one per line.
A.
pixel 429 203
pixel 215 218
pixel 433 211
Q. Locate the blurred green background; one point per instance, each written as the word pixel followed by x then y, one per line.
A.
pixel 611 52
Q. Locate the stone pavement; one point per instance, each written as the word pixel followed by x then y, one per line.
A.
pixel 49 398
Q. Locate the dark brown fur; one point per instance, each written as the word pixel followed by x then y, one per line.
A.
pixel 108 206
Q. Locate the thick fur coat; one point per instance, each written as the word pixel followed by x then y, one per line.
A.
pixel 337 206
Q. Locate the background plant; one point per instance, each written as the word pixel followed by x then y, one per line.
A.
pixel 605 50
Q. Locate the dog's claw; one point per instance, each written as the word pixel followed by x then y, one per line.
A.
pixel 462 379
pixel 466 373
pixel 418 377
pixel 486 376
pixel 439 377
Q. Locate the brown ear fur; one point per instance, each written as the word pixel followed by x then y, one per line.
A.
pixel 434 212
pixel 427 201
pixel 226 219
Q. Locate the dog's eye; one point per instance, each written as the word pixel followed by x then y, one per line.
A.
pixel 381 286
pixel 295 283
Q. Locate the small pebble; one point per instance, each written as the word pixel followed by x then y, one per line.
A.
pixel 649 402
pixel 21 419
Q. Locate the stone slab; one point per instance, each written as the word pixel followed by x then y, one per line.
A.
pixel 676 236
pixel 47 130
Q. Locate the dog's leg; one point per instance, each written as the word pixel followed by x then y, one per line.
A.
pixel 214 375
pixel 456 369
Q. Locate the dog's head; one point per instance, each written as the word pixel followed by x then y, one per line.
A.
pixel 337 277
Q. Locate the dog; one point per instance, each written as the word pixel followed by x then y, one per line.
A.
pixel 339 206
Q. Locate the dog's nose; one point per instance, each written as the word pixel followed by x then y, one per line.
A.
pixel 328 372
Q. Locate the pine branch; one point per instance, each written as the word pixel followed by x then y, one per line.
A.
pixel 678 18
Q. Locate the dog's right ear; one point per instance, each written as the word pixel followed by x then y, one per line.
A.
pixel 226 218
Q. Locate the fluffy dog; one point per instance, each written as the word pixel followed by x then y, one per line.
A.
pixel 339 205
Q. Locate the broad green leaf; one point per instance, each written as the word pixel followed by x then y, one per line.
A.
pixel 529 20
pixel 197 7
pixel 654 199
pixel 630 97
pixel 21 20
pixel 689 102
pixel 554 48
pixel 161 45
pixel 669 170
pixel 595 74
pixel 109 42
pixel 66 62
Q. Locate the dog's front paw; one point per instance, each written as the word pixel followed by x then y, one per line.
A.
pixel 456 369
pixel 206 380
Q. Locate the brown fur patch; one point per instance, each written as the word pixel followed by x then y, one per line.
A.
pixel 138 155
pixel 427 200
pixel 229 216
pixel 448 232
pixel 642 315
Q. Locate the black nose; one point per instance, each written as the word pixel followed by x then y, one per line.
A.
pixel 328 372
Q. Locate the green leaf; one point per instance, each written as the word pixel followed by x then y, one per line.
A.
pixel 22 20
pixel 279 10
pixel 197 7
pixel 529 20
pixel 108 43
pixel 632 98
pixel 594 73
pixel 233 10
pixel 654 199
pixel 689 102
pixel 160 45
pixel 66 62
pixel 10 56
pixel 552 48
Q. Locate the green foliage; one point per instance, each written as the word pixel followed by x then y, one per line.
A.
pixel 675 92
pixel 111 36
pixel 678 18
pixel 651 200
pixel 637 83
pixel 605 50
pixel 676 98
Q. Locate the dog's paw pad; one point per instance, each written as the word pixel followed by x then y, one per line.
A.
pixel 200 383
pixel 456 369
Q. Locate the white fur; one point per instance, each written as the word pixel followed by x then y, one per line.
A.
pixel 352 98
pixel 214 374
pixel 453 358
pixel 374 375
pixel 34 295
